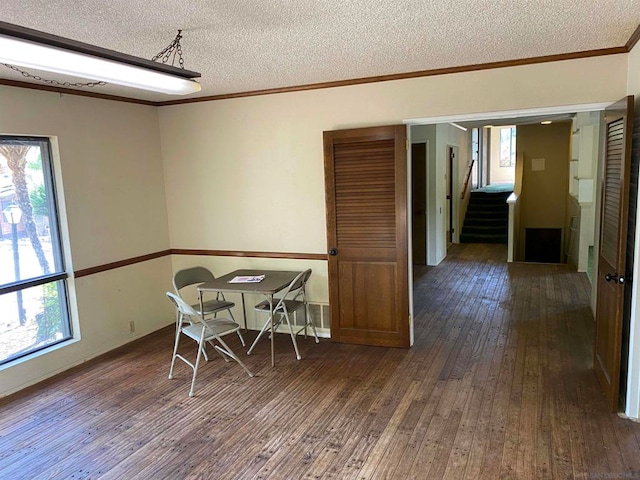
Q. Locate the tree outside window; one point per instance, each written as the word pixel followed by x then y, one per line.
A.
pixel 33 290
pixel 508 147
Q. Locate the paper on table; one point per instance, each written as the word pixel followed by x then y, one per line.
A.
pixel 247 279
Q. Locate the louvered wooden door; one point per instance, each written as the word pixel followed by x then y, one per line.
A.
pixel 612 251
pixel 366 199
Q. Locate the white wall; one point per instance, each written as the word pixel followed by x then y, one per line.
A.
pixel 435 170
pixel 449 135
pixel 633 379
pixel 438 137
pixel 111 184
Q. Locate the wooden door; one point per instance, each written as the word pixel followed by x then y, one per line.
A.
pixel 419 202
pixel 449 174
pixel 366 197
pixel 612 250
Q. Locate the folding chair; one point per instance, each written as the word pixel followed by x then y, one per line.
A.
pixel 202 331
pixel 195 276
pixel 293 298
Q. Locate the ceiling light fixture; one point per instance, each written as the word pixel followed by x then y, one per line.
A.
pixel 33 49
pixel 546 122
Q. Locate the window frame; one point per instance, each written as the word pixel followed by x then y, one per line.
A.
pixel 512 147
pixel 60 273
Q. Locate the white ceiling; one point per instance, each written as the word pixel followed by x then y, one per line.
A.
pixel 246 45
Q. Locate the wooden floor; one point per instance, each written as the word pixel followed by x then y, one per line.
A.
pixel 499 385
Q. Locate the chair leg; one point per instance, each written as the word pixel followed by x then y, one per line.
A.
pixel 195 367
pixel 239 334
pixel 175 350
pixel 215 347
pixel 227 351
pixel 264 328
pixel 293 336
pixel 310 322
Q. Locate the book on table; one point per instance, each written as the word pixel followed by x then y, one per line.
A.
pixel 247 279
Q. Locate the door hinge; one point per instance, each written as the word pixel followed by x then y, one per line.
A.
pixel 407 144
pixel 410 320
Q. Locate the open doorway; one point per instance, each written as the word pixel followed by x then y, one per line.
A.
pixel 450 207
pixel 580 197
pixel 419 202
pixel 536 156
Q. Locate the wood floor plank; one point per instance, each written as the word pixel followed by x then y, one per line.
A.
pixel 499 384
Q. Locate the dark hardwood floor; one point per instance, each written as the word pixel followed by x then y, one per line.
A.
pixel 499 385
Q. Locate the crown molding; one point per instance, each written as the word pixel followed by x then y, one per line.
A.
pixel 404 76
pixel 71 91
pixel 633 40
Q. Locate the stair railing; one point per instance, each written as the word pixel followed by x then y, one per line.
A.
pixel 467 179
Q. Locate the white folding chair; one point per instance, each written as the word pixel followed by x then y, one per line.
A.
pixel 293 298
pixel 195 276
pixel 191 324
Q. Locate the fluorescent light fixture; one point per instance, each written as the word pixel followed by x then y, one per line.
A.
pixel 546 122
pixel 32 49
pixel 458 126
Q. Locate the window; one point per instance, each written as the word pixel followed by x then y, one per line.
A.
pixel 508 147
pixel 475 157
pixel 33 286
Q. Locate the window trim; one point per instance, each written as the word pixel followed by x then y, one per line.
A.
pixel 512 147
pixel 60 275
pixel 33 282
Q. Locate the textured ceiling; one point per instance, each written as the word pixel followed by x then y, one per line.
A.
pixel 246 45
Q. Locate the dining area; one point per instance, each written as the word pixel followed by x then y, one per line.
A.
pixel 282 307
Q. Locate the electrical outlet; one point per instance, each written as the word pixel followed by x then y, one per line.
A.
pixel 132 326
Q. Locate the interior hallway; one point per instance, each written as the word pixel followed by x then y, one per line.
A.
pixel 498 385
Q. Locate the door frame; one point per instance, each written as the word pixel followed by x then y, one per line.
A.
pixel 410 229
pixel 633 378
pixel 449 156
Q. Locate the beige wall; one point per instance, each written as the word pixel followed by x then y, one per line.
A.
pixel 228 163
pixel 633 72
pixel 111 183
pixel 544 194
pixel 238 174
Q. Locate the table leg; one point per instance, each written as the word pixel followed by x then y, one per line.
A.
pixel 244 314
pixel 273 333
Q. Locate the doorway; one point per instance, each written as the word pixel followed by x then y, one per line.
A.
pixel 446 234
pixel 449 181
pixel 419 202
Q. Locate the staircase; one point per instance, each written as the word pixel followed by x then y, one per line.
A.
pixel 487 218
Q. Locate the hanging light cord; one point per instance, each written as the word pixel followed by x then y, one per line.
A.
pixel 53 82
pixel 171 51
